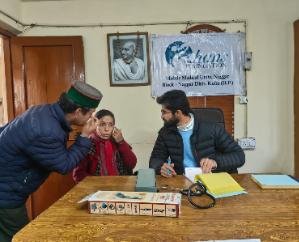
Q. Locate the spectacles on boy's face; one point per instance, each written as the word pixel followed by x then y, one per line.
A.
pixel 105 125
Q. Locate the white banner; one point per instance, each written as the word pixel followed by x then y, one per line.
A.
pixel 203 64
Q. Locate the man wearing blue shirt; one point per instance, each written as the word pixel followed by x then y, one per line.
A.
pixel 187 142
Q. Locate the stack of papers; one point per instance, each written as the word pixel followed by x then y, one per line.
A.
pixel 191 172
pixel 220 184
pixel 269 181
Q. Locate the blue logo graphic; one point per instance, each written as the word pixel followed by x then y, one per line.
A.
pixel 177 50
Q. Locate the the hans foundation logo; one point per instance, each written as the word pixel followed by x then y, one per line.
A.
pixel 178 52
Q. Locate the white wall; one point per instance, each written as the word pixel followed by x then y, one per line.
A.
pixel 270 82
pixel 12 8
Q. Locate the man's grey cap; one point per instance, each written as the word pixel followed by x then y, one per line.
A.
pixel 84 94
pixel 88 90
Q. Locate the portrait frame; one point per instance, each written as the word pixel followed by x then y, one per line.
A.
pixel 122 73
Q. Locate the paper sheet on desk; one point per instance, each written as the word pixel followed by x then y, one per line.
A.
pixel 228 194
pixel 191 172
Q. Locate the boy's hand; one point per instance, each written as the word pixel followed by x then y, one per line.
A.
pixel 89 127
pixel 117 135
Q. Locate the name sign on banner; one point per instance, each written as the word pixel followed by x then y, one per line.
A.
pixel 203 64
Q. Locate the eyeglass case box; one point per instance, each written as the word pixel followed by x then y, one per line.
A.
pixel 146 180
pixel 135 203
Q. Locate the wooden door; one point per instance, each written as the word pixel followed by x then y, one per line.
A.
pixel 44 67
pixel 296 96
pixel 6 77
pixel 225 103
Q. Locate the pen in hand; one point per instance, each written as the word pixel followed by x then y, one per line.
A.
pixel 169 163
pixel 167 169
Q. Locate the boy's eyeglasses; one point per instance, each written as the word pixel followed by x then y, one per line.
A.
pixel 104 125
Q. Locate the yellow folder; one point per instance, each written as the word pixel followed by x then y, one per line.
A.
pixel 219 183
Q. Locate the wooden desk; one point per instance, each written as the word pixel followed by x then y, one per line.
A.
pixel 271 215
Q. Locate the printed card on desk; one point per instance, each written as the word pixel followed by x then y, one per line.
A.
pixel 135 203
pixel 191 172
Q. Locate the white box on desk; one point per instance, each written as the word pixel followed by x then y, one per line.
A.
pixel 135 203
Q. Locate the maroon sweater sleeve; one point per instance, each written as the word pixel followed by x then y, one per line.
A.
pixel 80 172
pixel 127 154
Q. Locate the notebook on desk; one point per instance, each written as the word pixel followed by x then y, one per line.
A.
pixel 271 181
pixel 220 184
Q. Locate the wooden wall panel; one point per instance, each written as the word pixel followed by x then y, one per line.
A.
pixel 226 103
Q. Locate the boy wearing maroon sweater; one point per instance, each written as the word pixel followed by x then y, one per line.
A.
pixel 110 155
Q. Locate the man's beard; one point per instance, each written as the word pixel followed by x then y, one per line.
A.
pixel 171 122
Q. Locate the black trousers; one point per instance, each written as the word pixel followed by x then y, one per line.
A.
pixel 11 221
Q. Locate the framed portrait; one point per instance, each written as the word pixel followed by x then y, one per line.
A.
pixel 128 59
